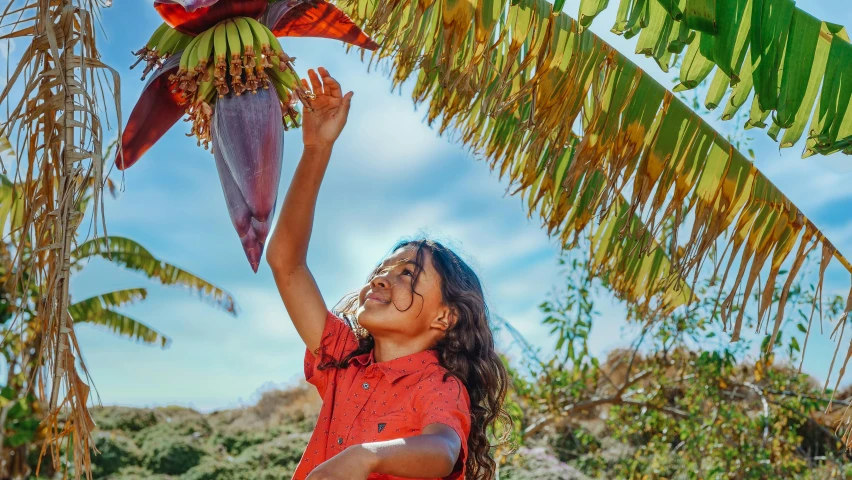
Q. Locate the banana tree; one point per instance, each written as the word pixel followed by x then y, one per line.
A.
pixel 597 145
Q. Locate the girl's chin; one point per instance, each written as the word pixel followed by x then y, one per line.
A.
pixel 368 320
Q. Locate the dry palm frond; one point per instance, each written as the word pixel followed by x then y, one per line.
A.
pixel 770 47
pixel 56 105
pixel 600 147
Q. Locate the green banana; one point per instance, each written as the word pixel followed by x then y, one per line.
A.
pixel 235 50
pixel 220 42
pixel 277 51
pixel 261 37
pixel 171 42
pixel 246 33
pixel 205 47
pixel 235 47
pixel 206 88
pixel 157 35
pixel 283 93
pixel 192 63
pixel 187 55
pixel 220 49
pixel 261 33
pixel 167 42
pixel 286 78
pixel 181 44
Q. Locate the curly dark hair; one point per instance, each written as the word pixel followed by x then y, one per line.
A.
pixel 466 351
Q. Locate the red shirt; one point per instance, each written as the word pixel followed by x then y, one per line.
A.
pixel 376 401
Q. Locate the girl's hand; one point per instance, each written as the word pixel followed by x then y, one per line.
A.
pixel 323 125
pixel 354 463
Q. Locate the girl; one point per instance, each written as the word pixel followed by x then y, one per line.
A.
pixel 410 380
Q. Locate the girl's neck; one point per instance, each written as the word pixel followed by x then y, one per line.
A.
pixel 385 350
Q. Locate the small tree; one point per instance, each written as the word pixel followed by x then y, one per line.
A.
pixel 686 404
pixel 22 413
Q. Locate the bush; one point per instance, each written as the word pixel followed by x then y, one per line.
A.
pixel 235 441
pixel 172 455
pixel 194 426
pixel 116 451
pixel 123 418
pixel 283 452
pixel 210 469
pixel 537 464
pixel 134 473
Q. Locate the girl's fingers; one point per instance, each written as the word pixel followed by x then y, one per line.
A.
pixel 315 82
pixel 330 84
pixel 305 84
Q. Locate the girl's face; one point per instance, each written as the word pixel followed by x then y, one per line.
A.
pixel 389 305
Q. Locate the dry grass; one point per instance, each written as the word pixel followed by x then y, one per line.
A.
pixel 57 101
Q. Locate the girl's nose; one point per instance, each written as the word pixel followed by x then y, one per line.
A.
pixel 380 280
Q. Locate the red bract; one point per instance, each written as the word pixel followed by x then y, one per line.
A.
pixel 314 18
pixel 195 16
pixel 154 114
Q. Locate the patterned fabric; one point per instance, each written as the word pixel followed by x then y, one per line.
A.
pixel 375 401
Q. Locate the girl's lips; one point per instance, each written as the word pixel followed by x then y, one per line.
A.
pixel 374 297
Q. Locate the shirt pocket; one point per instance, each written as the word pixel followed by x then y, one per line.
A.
pixel 390 426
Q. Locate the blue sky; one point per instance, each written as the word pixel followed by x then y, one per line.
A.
pixel 390 176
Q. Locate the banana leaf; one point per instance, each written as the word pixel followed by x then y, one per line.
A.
pixel 99 311
pixel 608 158
pixel 792 54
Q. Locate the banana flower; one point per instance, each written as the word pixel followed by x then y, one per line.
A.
pixel 219 63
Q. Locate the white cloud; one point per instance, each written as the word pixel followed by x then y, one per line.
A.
pixel 812 183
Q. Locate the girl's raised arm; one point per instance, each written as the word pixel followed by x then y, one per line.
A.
pixel 288 244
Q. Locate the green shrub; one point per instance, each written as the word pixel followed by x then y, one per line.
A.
pixel 537 464
pixel 213 469
pixel 134 473
pixel 170 427
pixel 283 452
pixel 235 441
pixel 116 451
pixel 125 419
pixel 172 455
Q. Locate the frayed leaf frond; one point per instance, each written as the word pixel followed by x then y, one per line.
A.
pixel 604 154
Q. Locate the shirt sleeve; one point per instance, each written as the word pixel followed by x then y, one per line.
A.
pixel 447 402
pixel 336 342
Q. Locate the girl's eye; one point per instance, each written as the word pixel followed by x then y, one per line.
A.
pixel 408 272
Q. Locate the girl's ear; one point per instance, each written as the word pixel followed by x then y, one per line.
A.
pixel 447 317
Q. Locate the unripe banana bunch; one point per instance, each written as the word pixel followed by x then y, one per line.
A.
pixel 241 50
pixel 165 42
pixel 236 55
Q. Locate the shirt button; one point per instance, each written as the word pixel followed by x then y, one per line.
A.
pixel 340 440
pixel 366 386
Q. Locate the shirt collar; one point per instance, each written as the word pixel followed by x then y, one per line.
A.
pixel 399 367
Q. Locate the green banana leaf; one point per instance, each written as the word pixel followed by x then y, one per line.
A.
pixel 790 55
pixel 129 254
pixel 98 310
